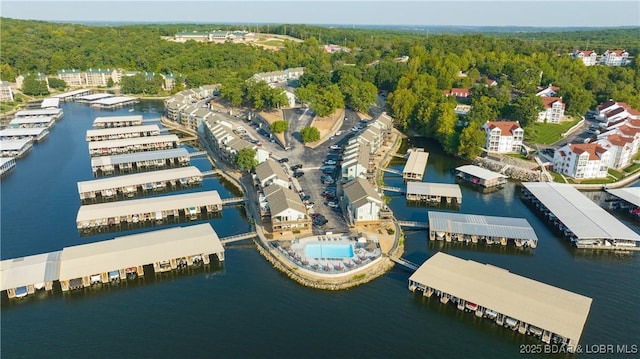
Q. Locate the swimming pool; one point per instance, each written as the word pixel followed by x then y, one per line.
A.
pixel 328 251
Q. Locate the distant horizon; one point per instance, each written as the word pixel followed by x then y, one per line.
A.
pixel 354 13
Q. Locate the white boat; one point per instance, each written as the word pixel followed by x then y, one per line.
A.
pixel 490 314
pixel 510 322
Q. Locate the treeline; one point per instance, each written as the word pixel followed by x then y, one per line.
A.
pixel 518 62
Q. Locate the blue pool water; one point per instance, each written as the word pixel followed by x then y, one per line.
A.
pixel 328 251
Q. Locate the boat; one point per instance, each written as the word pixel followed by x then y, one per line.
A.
pixel 510 322
pixel 535 331
pixel 21 292
pixel 490 314
pixel 132 109
pixel 471 306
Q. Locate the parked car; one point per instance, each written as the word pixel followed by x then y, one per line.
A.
pixel 298 174
pixel 335 147
pixel 338 133
pixel 283 160
pixel 296 167
pixel 332 204
pixel 330 162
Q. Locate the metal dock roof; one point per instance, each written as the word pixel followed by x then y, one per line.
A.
pixel 50 102
pixel 27 131
pixel 14 145
pixel 31 120
pixel 114 100
pixel 539 304
pixel 121 130
pixel 109 119
pixel 517 228
pixel 147 205
pixel 480 172
pixel 137 179
pixel 36 269
pixel 630 194
pixel 416 163
pixel 71 93
pixel 138 249
pixel 39 112
pixel 138 157
pixel 4 160
pixel 95 96
pixel 95 145
pixel 582 216
pixel 434 189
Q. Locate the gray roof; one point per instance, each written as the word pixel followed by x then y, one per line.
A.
pixel 416 163
pixel 631 194
pixel 138 249
pixel 108 119
pixel 95 145
pixel 50 102
pixel 39 112
pixel 27 131
pixel 269 168
pixel 95 96
pixel 114 100
pixel 71 93
pixel 238 144
pixel 582 216
pixel 36 269
pixel 138 179
pixel 539 304
pixel 14 145
pixel 434 189
pixel 517 228
pixel 31 120
pixel 138 157
pixel 147 205
pixel 4 160
pixel 280 199
pixel 385 120
pixel 122 130
pixel 360 192
pixel 480 172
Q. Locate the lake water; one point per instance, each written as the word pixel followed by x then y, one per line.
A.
pixel 246 309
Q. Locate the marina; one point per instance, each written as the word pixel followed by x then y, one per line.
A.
pixel 130 145
pixel 15 148
pixel 139 161
pixel 51 102
pixel 580 220
pixel 6 165
pixel 72 95
pixel 551 314
pixel 117 133
pixel 416 164
pixel 117 121
pixel 31 133
pixel 56 113
pixel 433 192
pixel 481 176
pixel 111 260
pixel 152 210
pixel 471 228
pixel 128 186
pixel 93 97
pixel 115 102
pixel 32 122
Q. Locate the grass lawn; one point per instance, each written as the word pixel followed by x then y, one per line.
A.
pixel 556 177
pixel 548 133
pixel 634 167
pixel 271 42
pixel 598 181
pixel 518 156
pixel 617 174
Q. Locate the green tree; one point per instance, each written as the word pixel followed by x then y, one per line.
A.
pixel 526 109
pixel 402 103
pixel 110 82
pixel 310 134
pixel 445 126
pixel 279 126
pixel 233 90
pixel 577 98
pixel 246 159
pixel 472 140
pixel 34 87
pixel 56 83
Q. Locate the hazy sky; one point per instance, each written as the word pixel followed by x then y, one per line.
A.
pixel 424 12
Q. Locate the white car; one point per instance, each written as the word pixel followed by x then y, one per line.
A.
pixel 332 204
pixel 335 147
pixel 338 133
pixel 330 162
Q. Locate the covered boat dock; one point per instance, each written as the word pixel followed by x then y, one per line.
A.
pixel 583 222
pixel 124 257
pixel 72 95
pixel 156 209
pixel 56 113
pixel 6 165
pixel 130 185
pixel 114 102
pixel 117 133
pixel 51 102
pixel 15 148
pixel 481 176
pixel 416 165
pixel 29 122
pixel 433 192
pixel 130 145
pixel 549 313
pixel 117 121
pixel 32 133
pixel 93 97
pixel 473 228
pixel 625 199
pixel 139 161
pixel 25 275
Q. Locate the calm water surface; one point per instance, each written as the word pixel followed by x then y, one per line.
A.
pixel 246 309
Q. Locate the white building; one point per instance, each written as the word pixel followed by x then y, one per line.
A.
pixel 581 161
pixel 588 57
pixel 549 91
pixel 553 111
pixel 355 161
pixel 622 140
pixel 363 204
pixel 269 172
pixel 614 58
pixel 503 136
pixel 6 92
pixel 285 210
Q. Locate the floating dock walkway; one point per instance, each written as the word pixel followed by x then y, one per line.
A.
pixel 471 228
pixel 583 222
pixel 118 133
pixel 112 260
pixel 131 185
pixel 549 313
pixel 153 210
pixel 139 161
pixel 117 121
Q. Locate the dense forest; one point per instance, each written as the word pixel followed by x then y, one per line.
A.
pixel 519 62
